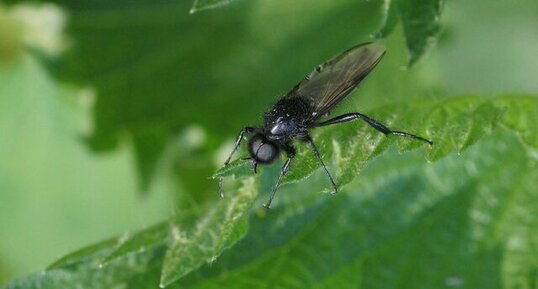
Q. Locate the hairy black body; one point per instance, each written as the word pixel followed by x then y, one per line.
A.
pixel 300 110
pixel 287 118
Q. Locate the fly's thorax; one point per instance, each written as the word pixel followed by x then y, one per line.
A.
pixel 287 117
pixel 262 150
pixel 282 127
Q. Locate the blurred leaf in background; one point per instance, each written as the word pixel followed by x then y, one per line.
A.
pixel 200 5
pixel 170 88
pixel 420 21
pixel 163 61
pixel 55 194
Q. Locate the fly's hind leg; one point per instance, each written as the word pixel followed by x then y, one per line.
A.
pixel 373 123
pixel 318 156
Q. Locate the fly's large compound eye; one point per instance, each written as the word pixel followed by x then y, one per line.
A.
pixel 262 150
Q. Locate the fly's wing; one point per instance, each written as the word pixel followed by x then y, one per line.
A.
pixel 330 82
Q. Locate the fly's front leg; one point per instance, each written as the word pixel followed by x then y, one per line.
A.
pixel 290 150
pixel 373 123
pixel 238 140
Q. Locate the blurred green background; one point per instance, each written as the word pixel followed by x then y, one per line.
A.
pixel 111 111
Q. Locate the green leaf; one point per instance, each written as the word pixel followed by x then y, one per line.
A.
pixel 163 94
pixel 200 5
pixel 89 273
pixel 80 255
pixel 238 168
pixel 401 214
pixel 405 223
pixel 148 238
pixel 521 117
pixel 178 246
pixel 420 21
pixel 464 219
pixel 222 226
pixel 390 19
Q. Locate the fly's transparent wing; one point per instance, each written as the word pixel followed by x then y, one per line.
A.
pixel 330 82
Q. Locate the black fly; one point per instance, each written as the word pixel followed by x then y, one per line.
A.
pixel 300 110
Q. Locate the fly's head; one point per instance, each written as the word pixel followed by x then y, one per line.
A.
pixel 262 150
